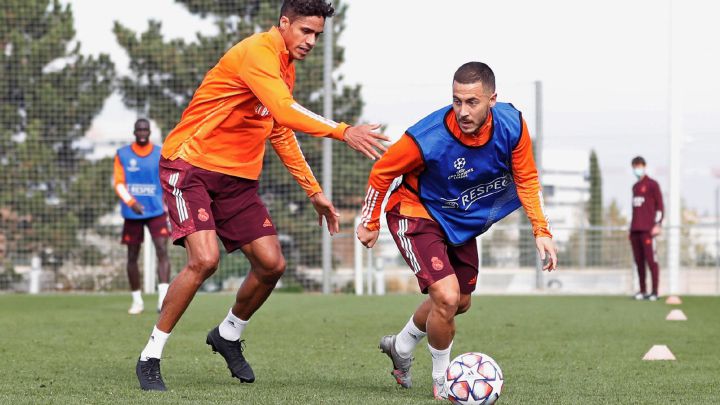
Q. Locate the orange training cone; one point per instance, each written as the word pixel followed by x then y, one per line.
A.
pixel 659 352
pixel 673 300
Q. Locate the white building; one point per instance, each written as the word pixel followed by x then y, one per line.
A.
pixel 566 183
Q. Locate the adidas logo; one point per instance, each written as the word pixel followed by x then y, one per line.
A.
pixel 267 223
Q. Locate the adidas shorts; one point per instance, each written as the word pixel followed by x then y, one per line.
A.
pixel 199 199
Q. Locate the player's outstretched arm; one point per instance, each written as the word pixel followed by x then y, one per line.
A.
pixel 365 140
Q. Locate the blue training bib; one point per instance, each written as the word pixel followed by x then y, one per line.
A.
pixel 467 189
pixel 142 177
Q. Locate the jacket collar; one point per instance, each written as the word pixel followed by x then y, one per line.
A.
pixel 279 44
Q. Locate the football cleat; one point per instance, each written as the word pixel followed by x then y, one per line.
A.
pixel 439 390
pixel 652 297
pixel 232 352
pixel 136 308
pixel 148 374
pixel 401 365
pixel 639 296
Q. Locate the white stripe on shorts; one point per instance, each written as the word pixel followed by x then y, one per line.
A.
pixel 179 200
pixel 407 246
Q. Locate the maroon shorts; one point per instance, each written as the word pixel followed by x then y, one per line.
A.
pixel 200 200
pixel 133 232
pixel 424 248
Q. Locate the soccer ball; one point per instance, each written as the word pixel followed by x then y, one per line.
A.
pixel 473 378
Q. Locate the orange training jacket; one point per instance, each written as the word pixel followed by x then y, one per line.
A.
pixel 404 159
pixel 244 100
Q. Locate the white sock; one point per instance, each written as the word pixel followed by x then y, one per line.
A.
pixel 408 338
pixel 440 361
pixel 231 328
pixel 137 297
pixel 155 345
pixel 162 291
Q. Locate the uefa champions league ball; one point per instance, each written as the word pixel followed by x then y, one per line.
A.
pixel 473 378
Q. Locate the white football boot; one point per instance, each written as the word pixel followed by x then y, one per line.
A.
pixel 136 308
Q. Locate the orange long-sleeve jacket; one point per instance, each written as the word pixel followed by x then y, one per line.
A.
pixel 244 100
pixel 119 173
pixel 404 159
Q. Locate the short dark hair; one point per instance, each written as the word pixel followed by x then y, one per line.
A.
pixel 144 120
pixel 306 8
pixel 473 72
pixel 638 160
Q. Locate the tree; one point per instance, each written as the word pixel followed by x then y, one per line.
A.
pixel 50 93
pixel 594 250
pixel 165 74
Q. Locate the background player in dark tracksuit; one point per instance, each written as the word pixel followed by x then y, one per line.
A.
pixel 647 218
pixel 137 183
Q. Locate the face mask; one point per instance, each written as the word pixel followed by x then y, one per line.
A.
pixel 639 172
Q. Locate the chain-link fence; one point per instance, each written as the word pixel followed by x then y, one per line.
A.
pixel 59 213
pixel 56 198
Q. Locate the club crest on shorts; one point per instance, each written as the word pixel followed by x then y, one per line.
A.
pixel 203 215
pixel 437 264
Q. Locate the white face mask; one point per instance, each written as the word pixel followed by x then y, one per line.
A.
pixel 639 171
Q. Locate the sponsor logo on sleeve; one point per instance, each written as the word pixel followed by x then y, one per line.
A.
pixel 261 110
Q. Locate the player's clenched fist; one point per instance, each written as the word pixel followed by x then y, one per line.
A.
pixel 366 236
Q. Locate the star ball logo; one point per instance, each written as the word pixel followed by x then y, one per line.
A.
pixel 133 166
pixel 462 172
pixel 459 163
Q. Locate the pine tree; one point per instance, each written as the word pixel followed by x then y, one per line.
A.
pixel 594 249
pixel 166 72
pixel 50 93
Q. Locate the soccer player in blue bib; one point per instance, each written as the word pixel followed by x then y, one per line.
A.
pixel 137 183
pixel 464 168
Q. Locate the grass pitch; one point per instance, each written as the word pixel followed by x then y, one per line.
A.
pixel 310 349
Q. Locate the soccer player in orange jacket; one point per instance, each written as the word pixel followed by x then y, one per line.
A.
pixel 137 183
pixel 481 149
pixel 210 167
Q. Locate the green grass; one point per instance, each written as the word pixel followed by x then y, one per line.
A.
pixel 313 349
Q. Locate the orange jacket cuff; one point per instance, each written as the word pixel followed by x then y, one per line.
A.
pixel 339 132
pixel 373 226
pixel 541 232
pixel 312 191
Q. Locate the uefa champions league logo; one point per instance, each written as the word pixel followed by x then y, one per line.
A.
pixel 133 166
pixel 461 173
